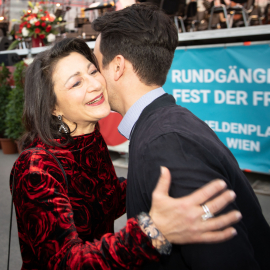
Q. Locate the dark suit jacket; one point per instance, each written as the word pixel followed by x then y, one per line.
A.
pixel 170 135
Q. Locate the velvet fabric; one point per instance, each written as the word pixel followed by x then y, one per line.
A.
pixel 71 227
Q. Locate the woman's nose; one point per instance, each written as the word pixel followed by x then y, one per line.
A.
pixel 93 84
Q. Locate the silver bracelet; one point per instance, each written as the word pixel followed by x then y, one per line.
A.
pixel 163 246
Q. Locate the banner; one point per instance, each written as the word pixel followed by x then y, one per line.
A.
pixel 228 87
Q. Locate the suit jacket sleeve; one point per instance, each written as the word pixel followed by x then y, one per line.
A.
pixel 192 165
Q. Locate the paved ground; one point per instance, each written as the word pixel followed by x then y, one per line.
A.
pixel 6 162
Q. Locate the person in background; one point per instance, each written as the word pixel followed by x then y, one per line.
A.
pixel 135 49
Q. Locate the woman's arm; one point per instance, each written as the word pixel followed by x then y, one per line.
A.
pixel 121 189
pixel 46 226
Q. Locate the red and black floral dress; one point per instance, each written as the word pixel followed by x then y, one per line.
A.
pixel 71 227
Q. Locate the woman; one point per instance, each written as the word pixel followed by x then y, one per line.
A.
pixel 59 222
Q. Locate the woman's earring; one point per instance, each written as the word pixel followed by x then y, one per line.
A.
pixel 62 128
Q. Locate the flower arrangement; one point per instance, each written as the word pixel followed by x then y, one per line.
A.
pixel 37 22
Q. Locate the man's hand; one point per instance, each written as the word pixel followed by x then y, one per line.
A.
pixel 180 220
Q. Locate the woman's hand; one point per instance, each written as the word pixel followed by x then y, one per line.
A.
pixel 180 220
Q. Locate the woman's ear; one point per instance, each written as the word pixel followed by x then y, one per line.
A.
pixel 56 111
pixel 118 66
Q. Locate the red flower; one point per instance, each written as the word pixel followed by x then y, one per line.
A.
pixel 48 29
pixel 43 18
pixel 43 24
pixel 28 25
pixel 42 36
pixel 37 30
pixel 37 23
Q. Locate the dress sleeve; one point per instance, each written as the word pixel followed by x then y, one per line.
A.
pixel 45 223
pixel 122 186
pixel 192 165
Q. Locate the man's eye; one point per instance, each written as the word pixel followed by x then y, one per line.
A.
pixel 76 84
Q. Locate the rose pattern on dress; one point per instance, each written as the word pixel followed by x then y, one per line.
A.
pixel 71 227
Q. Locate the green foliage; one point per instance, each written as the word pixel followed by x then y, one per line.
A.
pixel 4 75
pixel 30 4
pixel 14 44
pixel 19 75
pixel 14 108
pixel 4 92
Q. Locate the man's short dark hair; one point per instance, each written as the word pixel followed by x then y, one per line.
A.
pixel 144 35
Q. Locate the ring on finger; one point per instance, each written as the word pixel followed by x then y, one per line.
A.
pixel 207 212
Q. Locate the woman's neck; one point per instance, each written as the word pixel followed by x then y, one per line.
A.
pixel 81 129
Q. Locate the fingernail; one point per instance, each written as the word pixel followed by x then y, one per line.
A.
pixel 161 170
pixel 234 232
pixel 238 215
pixel 232 193
pixel 222 183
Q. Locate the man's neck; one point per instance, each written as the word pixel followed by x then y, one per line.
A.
pixel 134 93
pixel 132 115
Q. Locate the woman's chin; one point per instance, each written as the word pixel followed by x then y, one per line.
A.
pixel 104 113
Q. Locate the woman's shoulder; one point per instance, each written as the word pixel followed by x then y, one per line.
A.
pixel 34 160
pixel 37 163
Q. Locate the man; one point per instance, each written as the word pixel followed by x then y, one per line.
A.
pixel 135 51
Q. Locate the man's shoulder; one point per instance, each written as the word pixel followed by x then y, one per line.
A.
pixel 175 125
pixel 168 119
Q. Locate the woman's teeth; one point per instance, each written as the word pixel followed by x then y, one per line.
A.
pixel 96 100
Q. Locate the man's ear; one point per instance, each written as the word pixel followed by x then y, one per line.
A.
pixel 118 66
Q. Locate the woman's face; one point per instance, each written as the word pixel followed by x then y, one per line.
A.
pixel 81 92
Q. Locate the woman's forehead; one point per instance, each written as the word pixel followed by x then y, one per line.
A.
pixel 70 64
pixel 73 60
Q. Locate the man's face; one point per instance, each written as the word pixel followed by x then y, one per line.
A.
pixel 107 73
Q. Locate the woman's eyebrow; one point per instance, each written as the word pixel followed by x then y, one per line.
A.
pixel 78 73
pixel 89 65
pixel 75 74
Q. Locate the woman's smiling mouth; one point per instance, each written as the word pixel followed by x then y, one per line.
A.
pixel 97 101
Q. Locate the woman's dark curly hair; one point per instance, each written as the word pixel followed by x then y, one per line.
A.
pixel 40 98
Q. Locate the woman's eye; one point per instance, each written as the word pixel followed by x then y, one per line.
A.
pixel 94 72
pixel 76 84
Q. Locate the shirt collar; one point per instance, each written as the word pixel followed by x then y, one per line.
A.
pixel 128 122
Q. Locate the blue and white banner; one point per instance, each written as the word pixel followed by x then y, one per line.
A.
pixel 228 88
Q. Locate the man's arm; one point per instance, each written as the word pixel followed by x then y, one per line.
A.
pixel 193 166
pixel 185 213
